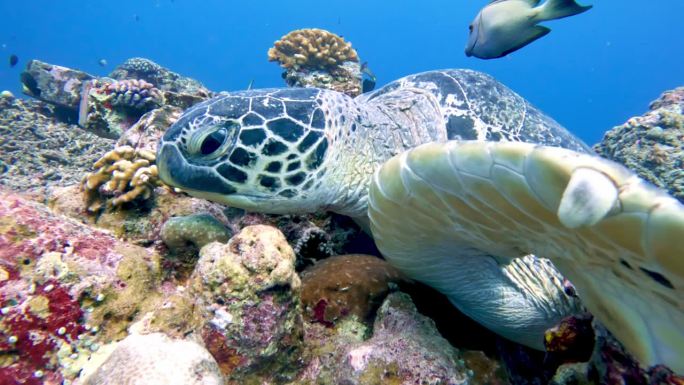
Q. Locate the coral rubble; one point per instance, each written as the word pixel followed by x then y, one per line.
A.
pixel 318 58
pixel 38 153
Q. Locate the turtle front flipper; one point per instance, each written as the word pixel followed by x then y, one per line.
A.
pixel 619 240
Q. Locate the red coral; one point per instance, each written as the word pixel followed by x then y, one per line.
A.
pixel 36 338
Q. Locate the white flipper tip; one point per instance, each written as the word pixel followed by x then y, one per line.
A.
pixel 588 198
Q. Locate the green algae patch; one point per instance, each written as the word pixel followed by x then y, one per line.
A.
pixel 381 374
pixel 175 317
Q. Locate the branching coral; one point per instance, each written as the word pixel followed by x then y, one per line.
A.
pixel 313 49
pixel 123 175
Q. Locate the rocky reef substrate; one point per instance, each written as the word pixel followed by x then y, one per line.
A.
pixel 164 288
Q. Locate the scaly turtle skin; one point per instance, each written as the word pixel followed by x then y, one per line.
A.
pixel 305 150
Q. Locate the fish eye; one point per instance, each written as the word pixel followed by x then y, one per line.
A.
pixel 470 28
pixel 213 141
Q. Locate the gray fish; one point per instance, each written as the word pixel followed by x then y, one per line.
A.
pixel 504 26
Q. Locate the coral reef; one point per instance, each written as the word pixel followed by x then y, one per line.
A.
pixel 177 88
pixel 248 294
pixel 313 49
pixel 347 78
pixel 345 285
pixel 38 153
pixel 318 58
pixel 196 229
pixel 155 359
pixel 122 175
pixel 65 290
pixel 405 348
pixel 134 94
pixel 109 108
pixel 54 84
pixel 652 144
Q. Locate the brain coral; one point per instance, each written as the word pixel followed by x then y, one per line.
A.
pixel 312 49
pixel 353 284
pixel 157 359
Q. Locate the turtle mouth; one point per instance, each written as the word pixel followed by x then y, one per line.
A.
pixel 175 171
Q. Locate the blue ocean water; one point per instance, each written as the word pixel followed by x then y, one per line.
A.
pixel 592 72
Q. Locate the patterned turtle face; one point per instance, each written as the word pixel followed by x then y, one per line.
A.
pixel 258 149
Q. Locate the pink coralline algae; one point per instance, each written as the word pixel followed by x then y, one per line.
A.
pixel 54 272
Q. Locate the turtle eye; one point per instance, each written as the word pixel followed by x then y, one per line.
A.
pixel 212 141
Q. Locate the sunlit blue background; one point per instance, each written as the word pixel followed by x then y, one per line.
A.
pixel 592 72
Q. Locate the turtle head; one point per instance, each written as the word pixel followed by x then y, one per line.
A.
pixel 260 150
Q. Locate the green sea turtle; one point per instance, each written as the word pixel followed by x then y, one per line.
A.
pixel 461 179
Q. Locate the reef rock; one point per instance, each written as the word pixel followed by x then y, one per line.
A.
pixel 248 294
pixel 652 144
pixel 65 290
pixel 54 84
pixel 196 230
pixel 148 130
pixel 38 153
pixel 179 90
pixel 405 348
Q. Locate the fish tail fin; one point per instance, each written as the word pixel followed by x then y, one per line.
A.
pixel 558 9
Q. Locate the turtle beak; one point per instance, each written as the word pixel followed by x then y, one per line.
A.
pixel 175 171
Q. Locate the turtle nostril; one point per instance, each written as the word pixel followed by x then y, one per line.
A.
pixel 213 141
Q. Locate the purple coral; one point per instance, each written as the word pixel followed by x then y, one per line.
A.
pixel 134 94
